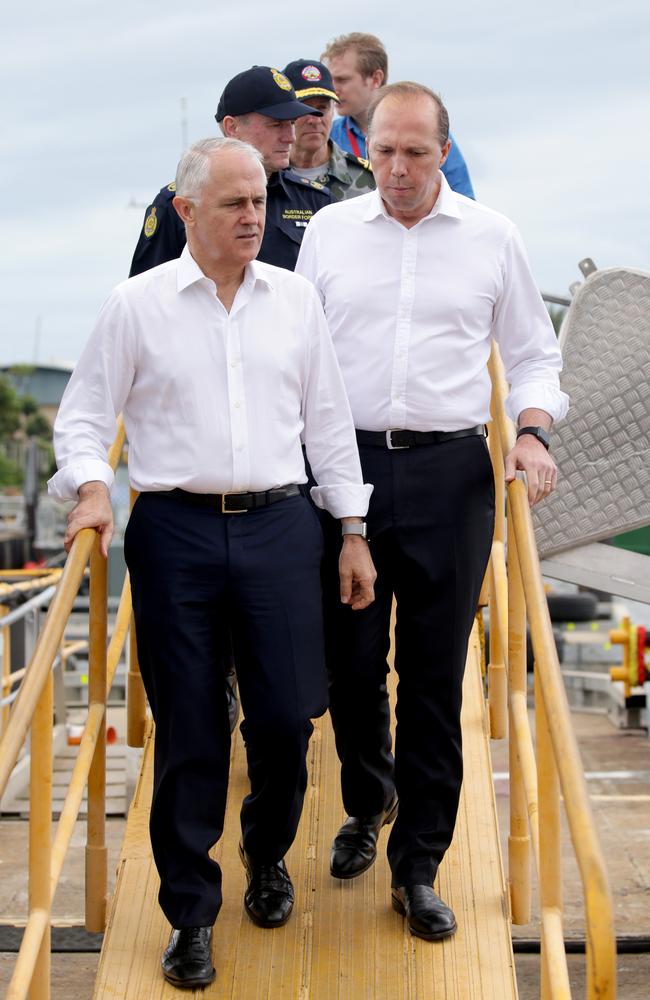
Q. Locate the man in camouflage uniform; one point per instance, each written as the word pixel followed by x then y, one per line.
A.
pixel 314 154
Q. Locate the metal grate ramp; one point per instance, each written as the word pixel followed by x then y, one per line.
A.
pixel 343 941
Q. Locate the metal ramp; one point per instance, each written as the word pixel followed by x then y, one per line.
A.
pixel 343 941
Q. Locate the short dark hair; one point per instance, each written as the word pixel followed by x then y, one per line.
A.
pixel 404 90
pixel 371 54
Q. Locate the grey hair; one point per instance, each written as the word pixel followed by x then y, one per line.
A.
pixel 194 165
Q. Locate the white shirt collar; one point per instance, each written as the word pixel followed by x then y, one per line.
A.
pixel 446 204
pixel 188 272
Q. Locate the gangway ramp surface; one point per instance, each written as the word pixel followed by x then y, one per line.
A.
pixel 343 941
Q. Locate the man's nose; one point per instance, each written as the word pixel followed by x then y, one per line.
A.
pixel 398 167
pixel 249 213
pixel 288 132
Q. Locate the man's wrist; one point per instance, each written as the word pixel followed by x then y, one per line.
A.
pixel 92 488
pixel 353 529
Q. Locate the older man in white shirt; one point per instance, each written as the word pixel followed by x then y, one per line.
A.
pixel 417 281
pixel 220 364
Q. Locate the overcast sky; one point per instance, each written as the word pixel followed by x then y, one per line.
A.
pixel 549 101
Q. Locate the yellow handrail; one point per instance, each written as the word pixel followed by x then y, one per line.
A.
pixel 557 752
pixel 49 640
pixel 31 973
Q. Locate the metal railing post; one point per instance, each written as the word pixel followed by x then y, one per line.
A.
pixel 554 975
pixel 497 675
pixel 519 876
pixel 96 850
pixel 40 831
pixel 5 631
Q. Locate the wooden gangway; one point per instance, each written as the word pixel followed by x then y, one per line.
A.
pixel 343 941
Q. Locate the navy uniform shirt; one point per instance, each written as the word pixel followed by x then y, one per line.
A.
pixel 291 202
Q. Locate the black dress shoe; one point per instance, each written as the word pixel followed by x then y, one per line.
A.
pixel 354 848
pixel 187 961
pixel 268 900
pixel 428 917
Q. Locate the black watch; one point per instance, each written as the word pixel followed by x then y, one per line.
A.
pixel 537 432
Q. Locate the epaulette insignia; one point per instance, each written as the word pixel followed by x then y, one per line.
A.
pixel 150 223
pixel 364 163
pixel 172 186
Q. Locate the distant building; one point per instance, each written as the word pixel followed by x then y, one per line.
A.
pixel 44 383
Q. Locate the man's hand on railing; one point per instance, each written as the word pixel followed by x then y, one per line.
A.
pixel 93 511
pixel 530 456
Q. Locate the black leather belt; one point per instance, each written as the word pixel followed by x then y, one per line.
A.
pixel 233 503
pixel 394 440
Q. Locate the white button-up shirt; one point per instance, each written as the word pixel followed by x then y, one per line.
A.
pixel 213 402
pixel 413 311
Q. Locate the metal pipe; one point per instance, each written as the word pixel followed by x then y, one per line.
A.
pixel 24 609
pixel 96 850
pixel 601 951
pixel 40 830
pixel 550 855
pixel 519 839
pixel 50 638
pixel 35 929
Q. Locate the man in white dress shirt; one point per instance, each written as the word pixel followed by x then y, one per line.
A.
pixel 416 281
pixel 220 363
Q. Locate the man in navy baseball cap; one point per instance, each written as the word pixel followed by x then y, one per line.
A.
pixel 264 90
pixel 258 106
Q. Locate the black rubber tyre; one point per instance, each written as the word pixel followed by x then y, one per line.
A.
pixel 572 607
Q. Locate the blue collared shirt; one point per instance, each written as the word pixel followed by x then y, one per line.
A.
pixel 454 167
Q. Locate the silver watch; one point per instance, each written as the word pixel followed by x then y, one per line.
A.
pixel 355 529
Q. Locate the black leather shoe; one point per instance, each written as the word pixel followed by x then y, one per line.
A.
pixel 187 961
pixel 268 900
pixel 354 848
pixel 428 917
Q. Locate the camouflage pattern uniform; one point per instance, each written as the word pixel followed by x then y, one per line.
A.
pixel 346 175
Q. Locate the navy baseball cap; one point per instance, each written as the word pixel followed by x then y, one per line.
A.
pixel 264 90
pixel 310 78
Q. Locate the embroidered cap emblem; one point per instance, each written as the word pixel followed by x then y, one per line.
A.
pixel 281 80
pixel 311 73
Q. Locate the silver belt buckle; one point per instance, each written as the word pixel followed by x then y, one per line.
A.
pixel 242 510
pixel 391 446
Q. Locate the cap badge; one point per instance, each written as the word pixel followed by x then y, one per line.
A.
pixel 311 73
pixel 281 80
pixel 150 223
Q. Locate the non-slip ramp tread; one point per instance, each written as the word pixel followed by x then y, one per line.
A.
pixel 343 941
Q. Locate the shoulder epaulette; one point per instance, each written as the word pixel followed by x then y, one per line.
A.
pixel 303 181
pixel 359 160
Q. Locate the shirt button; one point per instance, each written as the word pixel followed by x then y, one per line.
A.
pixel 237 404
pixel 234 363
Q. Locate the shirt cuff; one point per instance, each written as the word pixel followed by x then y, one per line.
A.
pixel 64 485
pixel 343 501
pixel 536 395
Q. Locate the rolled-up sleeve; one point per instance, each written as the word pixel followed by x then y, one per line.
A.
pixel 526 338
pixel 329 434
pixel 86 422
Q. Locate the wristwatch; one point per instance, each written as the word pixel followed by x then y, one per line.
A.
pixel 537 432
pixel 355 529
